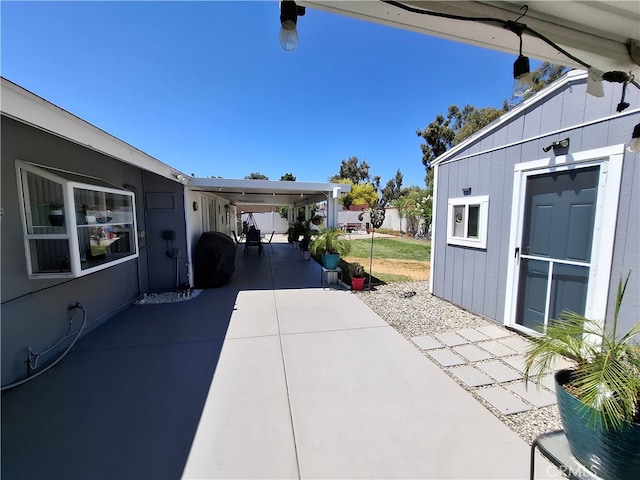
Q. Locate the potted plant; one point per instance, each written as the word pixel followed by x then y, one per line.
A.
pixel 56 214
pixel 356 271
pixel 331 243
pixel 299 232
pixel 599 398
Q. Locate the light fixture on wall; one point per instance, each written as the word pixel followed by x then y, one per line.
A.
pixel 289 13
pixel 181 178
pixel 466 191
pixel 560 144
pixel 195 206
pixel 634 145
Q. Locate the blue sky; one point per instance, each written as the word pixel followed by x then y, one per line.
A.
pixel 206 88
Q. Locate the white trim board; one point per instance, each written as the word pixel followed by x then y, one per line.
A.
pixel 610 160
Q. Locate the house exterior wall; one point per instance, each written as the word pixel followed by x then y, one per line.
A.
pixel 475 279
pixel 35 311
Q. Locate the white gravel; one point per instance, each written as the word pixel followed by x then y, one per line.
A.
pixel 413 311
pixel 167 297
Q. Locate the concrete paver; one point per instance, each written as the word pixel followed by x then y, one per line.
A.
pixel 472 334
pixel 471 376
pixel 516 343
pixel 446 358
pixel 503 400
pixel 493 331
pixel 497 348
pixel 537 396
pixel 427 342
pixel 499 371
pixel 516 361
pixel 451 339
pixel 472 353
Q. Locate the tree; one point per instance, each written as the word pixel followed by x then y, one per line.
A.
pixel 545 74
pixel 361 194
pixel 445 132
pixel 392 190
pixel 288 177
pixel 256 176
pixel 354 170
pixel 364 193
pixel 402 204
pixel 419 211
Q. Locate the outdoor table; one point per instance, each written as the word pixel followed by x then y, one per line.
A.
pixel 555 448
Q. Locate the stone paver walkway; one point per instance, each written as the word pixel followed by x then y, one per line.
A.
pixel 489 361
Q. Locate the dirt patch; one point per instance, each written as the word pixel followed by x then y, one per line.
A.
pixel 414 269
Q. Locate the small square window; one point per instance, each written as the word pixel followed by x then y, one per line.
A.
pixel 467 222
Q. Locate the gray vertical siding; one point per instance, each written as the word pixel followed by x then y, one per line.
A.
pixel 476 279
pixel 34 312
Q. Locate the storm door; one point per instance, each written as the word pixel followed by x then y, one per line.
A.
pixel 556 244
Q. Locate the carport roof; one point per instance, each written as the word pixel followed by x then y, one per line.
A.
pixel 267 192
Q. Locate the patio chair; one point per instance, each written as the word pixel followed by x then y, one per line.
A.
pixel 253 240
pixel 268 242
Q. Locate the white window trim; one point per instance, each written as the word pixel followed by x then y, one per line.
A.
pixel 483 202
pixel 610 159
pixel 70 234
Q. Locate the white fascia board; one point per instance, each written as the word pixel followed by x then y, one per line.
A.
pixel 21 105
pixel 571 76
pixel 266 185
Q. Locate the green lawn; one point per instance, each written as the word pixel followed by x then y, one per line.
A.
pixel 401 248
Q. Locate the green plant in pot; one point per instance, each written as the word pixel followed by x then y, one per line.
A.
pixel 56 214
pixel 356 271
pixel 331 243
pixel 599 398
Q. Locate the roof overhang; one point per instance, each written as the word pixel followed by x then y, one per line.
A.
pixel 596 32
pixel 267 192
pixel 26 107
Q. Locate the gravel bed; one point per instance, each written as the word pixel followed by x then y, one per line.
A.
pixel 413 311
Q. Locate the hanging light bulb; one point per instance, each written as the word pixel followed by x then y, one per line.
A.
pixel 522 78
pixel 289 13
pixel 634 145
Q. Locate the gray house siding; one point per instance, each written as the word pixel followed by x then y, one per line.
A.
pixel 35 311
pixel 475 279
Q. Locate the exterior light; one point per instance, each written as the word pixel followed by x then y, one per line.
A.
pixel 522 78
pixel 634 145
pixel 289 13
pixel 560 144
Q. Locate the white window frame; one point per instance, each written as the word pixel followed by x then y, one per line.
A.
pixel 70 231
pixel 480 242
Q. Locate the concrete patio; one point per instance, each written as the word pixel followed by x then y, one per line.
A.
pixel 270 376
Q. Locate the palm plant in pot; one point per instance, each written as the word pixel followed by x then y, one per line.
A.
pixel 356 271
pixel 331 243
pixel 599 398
